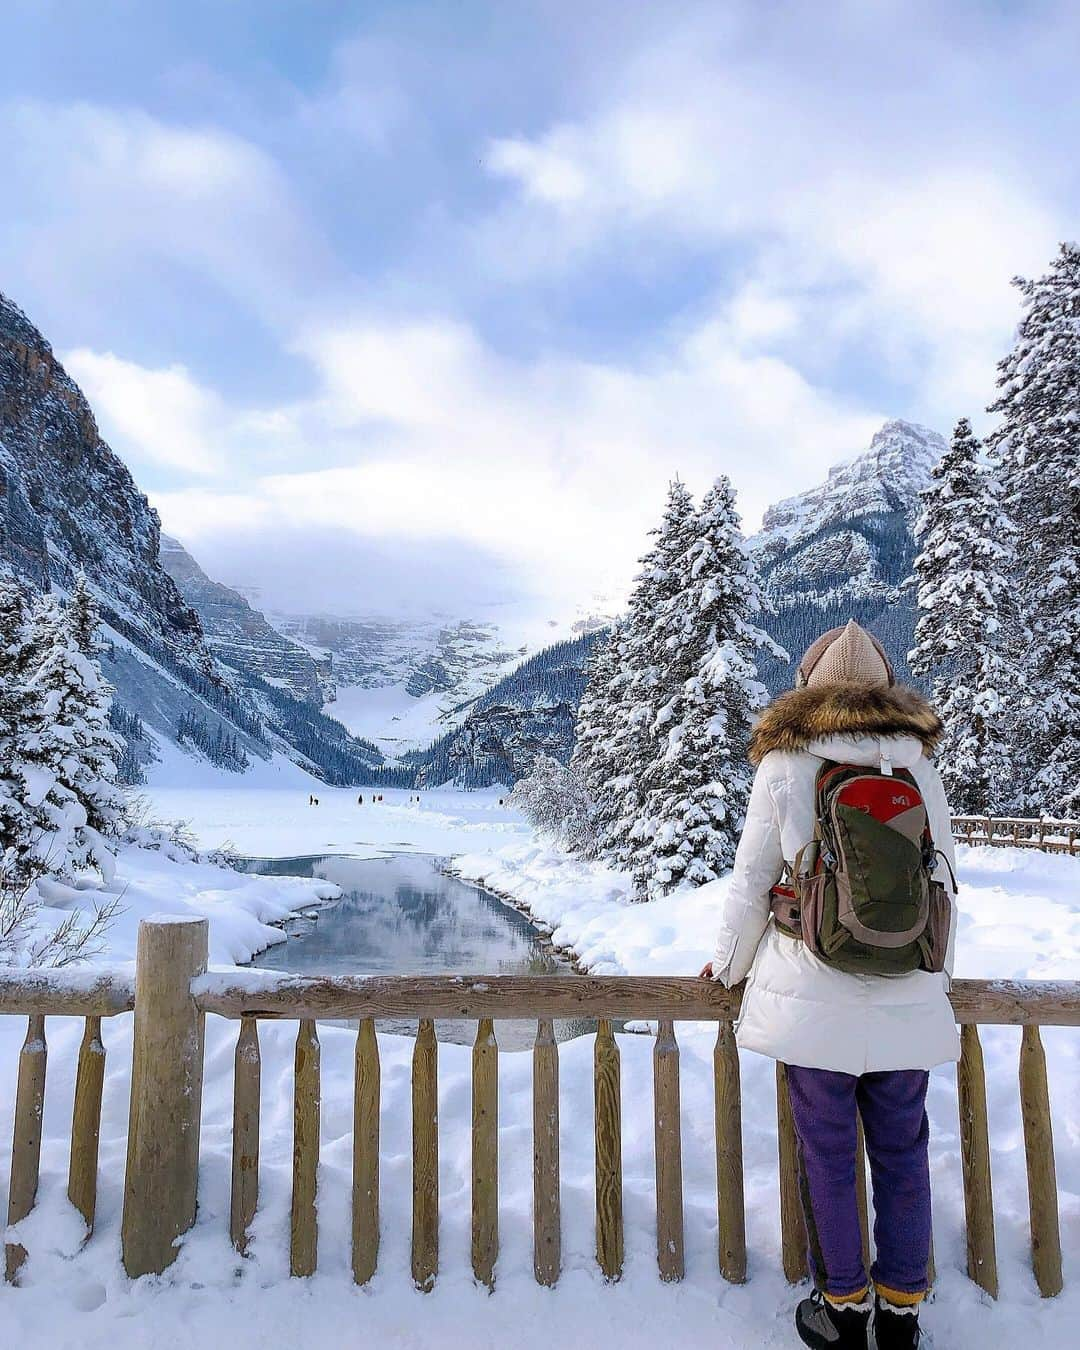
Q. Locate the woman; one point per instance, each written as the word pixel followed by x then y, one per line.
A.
pixel 852 1043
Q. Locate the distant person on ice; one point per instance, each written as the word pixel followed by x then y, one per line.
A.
pixel 847 849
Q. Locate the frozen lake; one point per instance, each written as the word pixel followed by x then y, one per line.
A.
pixel 401 915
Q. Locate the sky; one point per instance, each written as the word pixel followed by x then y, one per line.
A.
pixel 396 307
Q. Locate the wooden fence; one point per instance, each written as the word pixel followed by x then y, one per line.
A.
pixel 1052 836
pixel 172 995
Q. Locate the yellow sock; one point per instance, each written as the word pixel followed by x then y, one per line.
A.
pixel 898 1297
pixel 841 1300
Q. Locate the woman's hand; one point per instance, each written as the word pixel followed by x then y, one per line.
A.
pixel 706 971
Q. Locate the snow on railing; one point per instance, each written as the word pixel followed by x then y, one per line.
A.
pixel 1052 836
pixel 172 992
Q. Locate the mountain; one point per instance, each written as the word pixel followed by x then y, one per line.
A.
pixel 843 549
pixel 240 636
pixel 529 711
pixel 68 505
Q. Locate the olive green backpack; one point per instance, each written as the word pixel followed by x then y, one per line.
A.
pixel 861 894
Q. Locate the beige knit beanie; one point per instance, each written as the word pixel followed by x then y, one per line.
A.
pixel 848 655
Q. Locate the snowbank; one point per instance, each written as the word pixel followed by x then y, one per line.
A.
pixel 242 909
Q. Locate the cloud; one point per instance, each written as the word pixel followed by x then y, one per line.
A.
pixel 870 176
pixel 125 190
pixel 553 468
pixel 158 415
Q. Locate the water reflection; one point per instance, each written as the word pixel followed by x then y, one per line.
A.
pixel 402 916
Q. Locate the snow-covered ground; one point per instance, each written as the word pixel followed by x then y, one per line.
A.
pixel 1020 916
pixel 390 716
pixel 276 821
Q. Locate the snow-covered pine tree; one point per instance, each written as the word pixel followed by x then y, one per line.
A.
pixel 17 703
pixel 965 578
pixel 698 779
pixel 593 759
pixel 1037 444
pixel 74 751
pixel 643 680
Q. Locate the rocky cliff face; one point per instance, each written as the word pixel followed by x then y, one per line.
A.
pixel 843 549
pixel 529 711
pixel 459 658
pixel 239 635
pixel 67 502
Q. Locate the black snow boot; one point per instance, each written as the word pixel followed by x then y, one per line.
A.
pixel 824 1326
pixel 896 1328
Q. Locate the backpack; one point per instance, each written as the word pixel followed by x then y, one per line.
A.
pixel 861 895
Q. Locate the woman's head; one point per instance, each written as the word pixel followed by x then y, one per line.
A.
pixel 848 655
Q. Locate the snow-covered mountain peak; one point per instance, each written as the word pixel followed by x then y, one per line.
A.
pixel 902 452
pixel 888 476
pixel 843 548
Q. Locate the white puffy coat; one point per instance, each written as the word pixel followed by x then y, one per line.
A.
pixel 795 1007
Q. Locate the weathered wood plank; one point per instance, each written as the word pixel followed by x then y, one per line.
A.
pixel 792 1226
pixel 667 1113
pixel 1041 1168
pixel 485 1153
pixel 608 1138
pixel 730 1196
pixel 304 1225
pixel 425 1108
pixel 992 1002
pixel 247 1085
pixel 547 1213
pixel 26 1137
pixel 162 1178
pixel 975 1155
pixel 65 993
pixel 86 1123
pixel 365 1213
pixel 471 997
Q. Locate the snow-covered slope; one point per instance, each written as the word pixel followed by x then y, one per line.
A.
pixel 844 548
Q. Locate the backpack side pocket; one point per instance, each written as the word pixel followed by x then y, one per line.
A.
pixel 935 940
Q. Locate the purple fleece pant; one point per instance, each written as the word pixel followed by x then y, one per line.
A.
pixel 825 1106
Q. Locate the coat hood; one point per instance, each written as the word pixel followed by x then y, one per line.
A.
pixel 797 719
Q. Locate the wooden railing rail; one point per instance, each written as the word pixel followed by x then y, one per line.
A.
pixel 618 997
pixel 172 993
pixel 1052 836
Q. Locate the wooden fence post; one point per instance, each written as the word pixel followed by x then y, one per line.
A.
pixel 247 1083
pixel 26 1139
pixel 1041 1169
pixel 485 1153
pixel 975 1159
pixel 86 1123
pixel 547 1214
pixel 307 1114
pixel 366 1100
pixel 425 1177
pixel 730 1200
pixel 608 1131
pixel 161 1184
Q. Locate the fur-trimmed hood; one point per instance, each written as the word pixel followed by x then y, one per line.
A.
pixel 800 716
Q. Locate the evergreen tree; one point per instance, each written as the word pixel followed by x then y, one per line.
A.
pixel 641 685
pixel 697 781
pixel 594 760
pixel 1038 447
pixel 17 704
pixel 74 750
pixel 964 572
